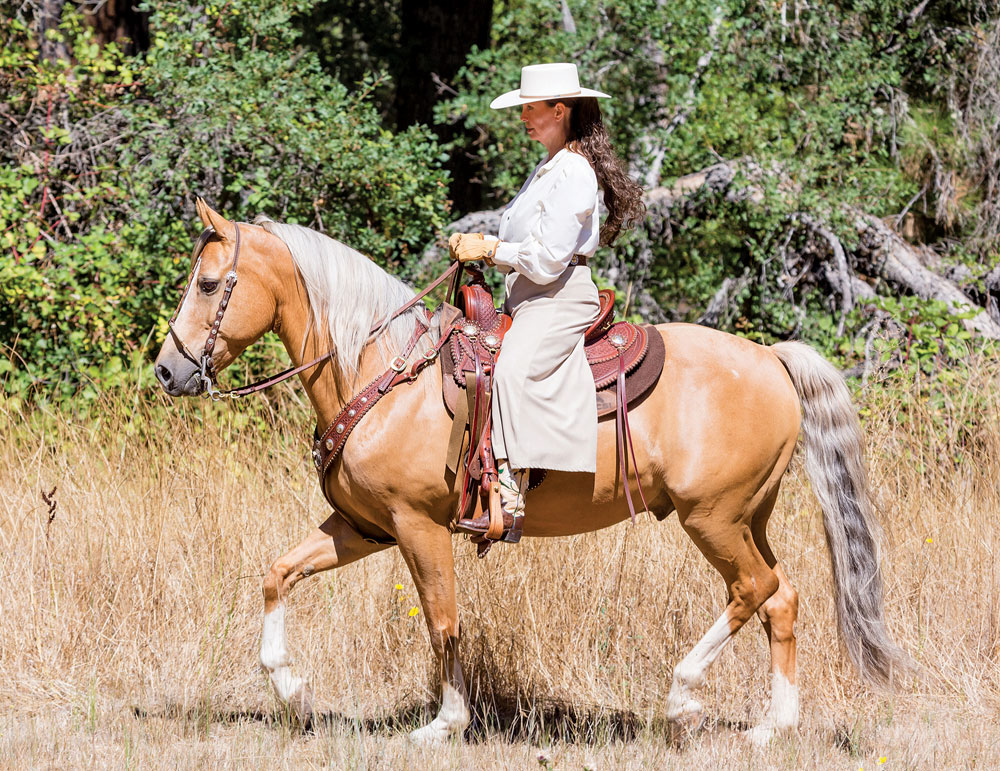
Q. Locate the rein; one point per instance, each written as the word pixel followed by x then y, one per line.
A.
pixel 206 366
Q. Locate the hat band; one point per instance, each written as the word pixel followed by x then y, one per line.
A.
pixel 523 95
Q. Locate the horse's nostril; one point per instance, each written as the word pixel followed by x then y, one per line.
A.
pixel 164 376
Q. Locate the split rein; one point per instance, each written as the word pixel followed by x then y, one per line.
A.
pixel 206 365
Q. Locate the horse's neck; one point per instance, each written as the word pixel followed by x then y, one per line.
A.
pixel 328 389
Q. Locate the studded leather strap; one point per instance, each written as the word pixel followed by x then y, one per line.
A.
pixel 213 333
pixel 328 445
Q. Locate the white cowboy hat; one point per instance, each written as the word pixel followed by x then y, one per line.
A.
pixel 545 81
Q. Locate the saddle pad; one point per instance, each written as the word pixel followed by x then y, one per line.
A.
pixel 640 376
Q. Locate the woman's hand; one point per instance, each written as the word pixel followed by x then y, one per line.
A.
pixel 469 247
pixel 453 241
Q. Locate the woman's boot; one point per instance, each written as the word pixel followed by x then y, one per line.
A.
pixel 512 487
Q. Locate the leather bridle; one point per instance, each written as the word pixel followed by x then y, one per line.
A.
pixel 206 366
pixel 204 362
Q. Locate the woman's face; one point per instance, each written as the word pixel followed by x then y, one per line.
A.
pixel 545 123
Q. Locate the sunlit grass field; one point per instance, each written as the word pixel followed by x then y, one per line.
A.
pixel 131 608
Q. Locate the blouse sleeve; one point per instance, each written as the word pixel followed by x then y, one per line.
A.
pixel 562 214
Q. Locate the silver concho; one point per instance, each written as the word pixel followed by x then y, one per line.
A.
pixel 470 330
pixel 351 413
pixel 329 445
pixel 317 458
pixel 340 428
pixel 491 341
pixel 364 400
pixel 617 340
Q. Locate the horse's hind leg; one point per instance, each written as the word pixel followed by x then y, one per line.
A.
pixel 778 616
pixel 331 545
pixel 727 543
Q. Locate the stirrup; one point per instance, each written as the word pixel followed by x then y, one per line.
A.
pixel 510 526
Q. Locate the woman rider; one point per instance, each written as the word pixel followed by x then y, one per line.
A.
pixel 544 406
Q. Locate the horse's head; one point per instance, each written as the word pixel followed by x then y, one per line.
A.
pixel 210 329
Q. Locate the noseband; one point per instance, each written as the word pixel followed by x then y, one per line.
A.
pixel 206 367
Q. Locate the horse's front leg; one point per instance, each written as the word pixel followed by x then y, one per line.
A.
pixel 331 545
pixel 426 547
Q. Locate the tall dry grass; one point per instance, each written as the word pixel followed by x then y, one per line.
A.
pixel 130 616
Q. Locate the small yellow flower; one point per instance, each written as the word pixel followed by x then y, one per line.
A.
pixel 399 587
pixel 928 540
pixel 882 759
pixel 414 611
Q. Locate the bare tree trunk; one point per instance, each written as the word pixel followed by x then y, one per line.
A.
pixel 437 37
pixel 49 14
pixel 120 21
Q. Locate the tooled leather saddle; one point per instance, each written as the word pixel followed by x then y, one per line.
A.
pixel 625 359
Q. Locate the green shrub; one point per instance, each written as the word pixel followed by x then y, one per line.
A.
pixel 224 104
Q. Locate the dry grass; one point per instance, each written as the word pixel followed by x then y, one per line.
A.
pixel 131 620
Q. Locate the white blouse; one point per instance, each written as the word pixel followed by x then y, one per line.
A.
pixel 553 217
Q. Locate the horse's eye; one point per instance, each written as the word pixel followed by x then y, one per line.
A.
pixel 208 286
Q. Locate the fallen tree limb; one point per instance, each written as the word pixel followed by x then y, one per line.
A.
pixel 881 252
pixel 899 263
pixel 838 273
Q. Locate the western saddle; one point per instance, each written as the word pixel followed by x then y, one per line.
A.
pixel 626 361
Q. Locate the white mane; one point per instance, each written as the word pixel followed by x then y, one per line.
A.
pixel 348 295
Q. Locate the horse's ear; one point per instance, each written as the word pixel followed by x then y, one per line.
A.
pixel 210 218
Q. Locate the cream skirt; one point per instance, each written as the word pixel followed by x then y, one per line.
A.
pixel 544 403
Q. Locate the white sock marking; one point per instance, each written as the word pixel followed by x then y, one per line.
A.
pixel 274 656
pixel 453 716
pixel 690 673
pixel 784 710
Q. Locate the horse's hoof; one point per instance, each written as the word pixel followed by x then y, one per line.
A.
pixel 301 703
pixel 686 721
pixel 432 735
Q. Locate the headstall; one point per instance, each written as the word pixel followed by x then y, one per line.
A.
pixel 205 364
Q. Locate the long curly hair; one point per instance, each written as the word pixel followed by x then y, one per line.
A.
pixel 588 137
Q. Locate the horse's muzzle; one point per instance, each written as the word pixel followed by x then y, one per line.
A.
pixel 179 378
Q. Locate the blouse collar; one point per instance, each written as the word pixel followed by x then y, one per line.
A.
pixel 550 164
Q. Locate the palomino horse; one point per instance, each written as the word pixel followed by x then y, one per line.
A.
pixel 713 440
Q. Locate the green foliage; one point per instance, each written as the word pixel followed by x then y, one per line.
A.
pixel 97 214
pixel 932 337
pixel 817 95
pixel 850 105
pixel 817 91
pixel 608 49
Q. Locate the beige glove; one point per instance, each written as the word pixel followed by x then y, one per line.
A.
pixel 469 247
